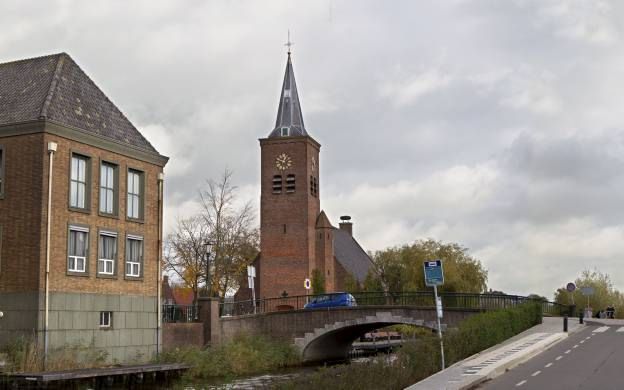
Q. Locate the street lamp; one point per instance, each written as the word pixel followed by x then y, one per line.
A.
pixel 208 246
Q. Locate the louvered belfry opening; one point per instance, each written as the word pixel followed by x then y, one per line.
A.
pixel 290 184
pixel 277 184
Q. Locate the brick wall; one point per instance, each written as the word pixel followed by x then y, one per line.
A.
pixel 21 212
pixel 287 221
pixel 177 335
pixel 62 216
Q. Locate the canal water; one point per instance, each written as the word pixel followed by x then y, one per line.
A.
pixel 265 381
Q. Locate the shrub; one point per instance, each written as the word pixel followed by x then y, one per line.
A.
pixel 24 355
pixel 242 356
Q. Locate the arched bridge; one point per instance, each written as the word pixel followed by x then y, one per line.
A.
pixel 328 333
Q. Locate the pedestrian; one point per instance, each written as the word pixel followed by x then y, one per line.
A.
pixel 610 311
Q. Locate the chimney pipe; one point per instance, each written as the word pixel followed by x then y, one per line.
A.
pixel 346 225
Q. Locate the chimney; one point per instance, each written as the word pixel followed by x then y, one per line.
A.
pixel 346 225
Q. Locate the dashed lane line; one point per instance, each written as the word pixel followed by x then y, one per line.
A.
pixel 536 373
pixel 582 341
pixel 520 383
pixel 602 329
pixel 558 357
pixel 621 329
pixel 575 346
pixel 548 365
pixel 568 351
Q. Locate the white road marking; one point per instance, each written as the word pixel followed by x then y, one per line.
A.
pixel 558 357
pixel 575 346
pixel 536 373
pixel 621 329
pixel 520 383
pixel 568 351
pixel 582 341
pixel 602 329
pixel 548 365
pixel 587 338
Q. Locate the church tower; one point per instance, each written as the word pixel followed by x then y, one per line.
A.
pixel 289 198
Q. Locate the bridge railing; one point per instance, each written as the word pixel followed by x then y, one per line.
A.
pixel 422 299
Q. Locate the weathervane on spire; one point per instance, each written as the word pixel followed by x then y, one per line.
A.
pixel 289 43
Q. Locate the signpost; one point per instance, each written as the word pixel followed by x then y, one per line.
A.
pixel 251 275
pixel 588 291
pixel 434 277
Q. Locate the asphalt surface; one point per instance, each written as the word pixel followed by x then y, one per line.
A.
pixel 590 359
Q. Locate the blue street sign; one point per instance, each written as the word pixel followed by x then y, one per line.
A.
pixel 434 274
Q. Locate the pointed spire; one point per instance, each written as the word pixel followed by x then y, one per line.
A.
pixel 289 118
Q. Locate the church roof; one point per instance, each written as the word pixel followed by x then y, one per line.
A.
pixel 56 89
pixel 351 255
pixel 322 221
pixel 289 112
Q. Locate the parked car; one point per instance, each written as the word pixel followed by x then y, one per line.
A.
pixel 331 300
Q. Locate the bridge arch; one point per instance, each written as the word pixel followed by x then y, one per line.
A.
pixel 334 341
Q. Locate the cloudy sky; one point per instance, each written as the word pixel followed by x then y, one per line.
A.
pixel 495 124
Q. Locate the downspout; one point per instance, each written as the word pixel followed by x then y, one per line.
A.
pixel 52 146
pixel 161 179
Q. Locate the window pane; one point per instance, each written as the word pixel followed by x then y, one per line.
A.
pixel 72 243
pixel 74 168
pixel 73 194
pixel 81 195
pixel 109 201
pixel 81 170
pixel 100 266
pixel 135 206
pixel 110 180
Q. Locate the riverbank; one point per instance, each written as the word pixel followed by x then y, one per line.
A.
pixel 243 356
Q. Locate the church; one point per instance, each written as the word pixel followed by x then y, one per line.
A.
pixel 297 239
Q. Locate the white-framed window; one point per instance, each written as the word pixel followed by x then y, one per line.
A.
pixel 135 194
pixel 285 131
pixel 107 188
pixel 78 184
pixel 78 249
pixel 106 319
pixel 134 256
pixel 107 253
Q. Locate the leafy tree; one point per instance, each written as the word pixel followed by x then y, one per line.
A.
pixel 232 230
pixel 351 284
pixel 401 268
pixel 185 252
pixel 318 282
pixel 604 293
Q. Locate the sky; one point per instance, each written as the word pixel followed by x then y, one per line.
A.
pixel 498 125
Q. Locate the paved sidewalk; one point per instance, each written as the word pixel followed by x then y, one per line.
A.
pixel 495 360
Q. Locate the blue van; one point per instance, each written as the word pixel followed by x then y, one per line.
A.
pixel 331 300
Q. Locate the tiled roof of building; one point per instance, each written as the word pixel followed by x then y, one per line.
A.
pixel 289 112
pixel 55 88
pixel 351 255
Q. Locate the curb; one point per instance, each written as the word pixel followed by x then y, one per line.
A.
pixel 513 363
pixel 479 379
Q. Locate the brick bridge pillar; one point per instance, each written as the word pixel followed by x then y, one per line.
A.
pixel 209 316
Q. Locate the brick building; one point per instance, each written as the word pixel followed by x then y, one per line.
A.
pixel 296 236
pixel 80 197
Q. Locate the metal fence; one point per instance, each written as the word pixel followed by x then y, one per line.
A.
pixel 421 299
pixel 180 313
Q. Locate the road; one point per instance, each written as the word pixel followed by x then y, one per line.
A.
pixel 590 359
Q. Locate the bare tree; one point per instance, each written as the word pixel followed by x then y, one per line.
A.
pixel 185 252
pixel 232 232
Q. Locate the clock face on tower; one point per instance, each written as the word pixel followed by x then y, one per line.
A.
pixel 283 162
